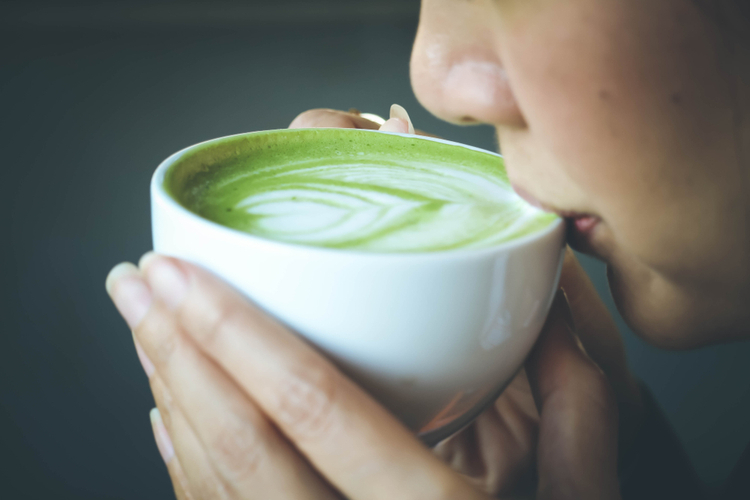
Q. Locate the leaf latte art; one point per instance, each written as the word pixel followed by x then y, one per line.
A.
pixel 393 200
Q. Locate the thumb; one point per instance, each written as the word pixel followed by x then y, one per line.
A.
pixel 577 447
pixel 398 122
pixel 597 331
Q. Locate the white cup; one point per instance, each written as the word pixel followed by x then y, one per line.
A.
pixel 435 337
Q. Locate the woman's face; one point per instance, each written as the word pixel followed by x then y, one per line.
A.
pixel 622 116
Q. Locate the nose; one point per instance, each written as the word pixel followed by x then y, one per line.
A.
pixel 456 71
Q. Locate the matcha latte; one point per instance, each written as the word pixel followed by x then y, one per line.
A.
pixel 408 261
pixel 357 190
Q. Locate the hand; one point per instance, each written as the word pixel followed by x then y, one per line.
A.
pixel 498 452
pixel 505 449
pixel 399 120
pixel 249 410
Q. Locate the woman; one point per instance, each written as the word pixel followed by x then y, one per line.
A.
pixel 629 119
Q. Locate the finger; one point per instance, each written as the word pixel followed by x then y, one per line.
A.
pixel 398 122
pixel 598 333
pixel 133 299
pixel 331 118
pixel 246 452
pixel 199 479
pixel 496 452
pixel 166 418
pixel 577 451
pixel 241 446
pixel 507 436
pixel 398 112
pixel 594 324
pixel 395 125
pixel 354 442
pixel 166 450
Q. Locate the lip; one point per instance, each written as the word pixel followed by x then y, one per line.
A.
pixel 580 226
pixel 581 231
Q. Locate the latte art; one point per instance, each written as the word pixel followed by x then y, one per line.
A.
pixel 376 202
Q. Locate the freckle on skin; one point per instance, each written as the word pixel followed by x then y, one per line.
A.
pixel 676 98
pixel 604 95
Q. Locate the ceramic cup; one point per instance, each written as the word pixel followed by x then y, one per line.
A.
pixel 433 336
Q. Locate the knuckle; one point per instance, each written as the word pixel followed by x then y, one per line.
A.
pixel 205 486
pixel 157 332
pixel 308 118
pixel 237 451
pixel 165 350
pixel 306 400
pixel 322 118
pixel 225 320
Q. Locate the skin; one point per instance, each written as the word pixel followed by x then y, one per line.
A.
pixel 249 410
pixel 630 117
pixel 629 112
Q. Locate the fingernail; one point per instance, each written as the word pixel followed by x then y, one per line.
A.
pixel 146 363
pixel 398 111
pixel 145 259
pixel 163 441
pixel 395 125
pixel 129 293
pixel 167 280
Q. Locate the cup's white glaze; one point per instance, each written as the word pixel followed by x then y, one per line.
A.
pixel 433 336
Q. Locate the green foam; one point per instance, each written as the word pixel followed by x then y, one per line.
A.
pixel 353 189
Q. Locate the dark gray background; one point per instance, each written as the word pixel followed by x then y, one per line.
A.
pixel 93 95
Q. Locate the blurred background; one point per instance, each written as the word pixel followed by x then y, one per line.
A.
pixel 93 96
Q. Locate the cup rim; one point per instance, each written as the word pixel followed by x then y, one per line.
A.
pixel 159 192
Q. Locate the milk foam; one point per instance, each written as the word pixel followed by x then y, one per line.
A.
pixel 384 205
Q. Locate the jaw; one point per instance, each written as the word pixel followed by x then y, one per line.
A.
pixel 673 317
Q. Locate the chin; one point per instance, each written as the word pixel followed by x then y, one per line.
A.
pixel 659 314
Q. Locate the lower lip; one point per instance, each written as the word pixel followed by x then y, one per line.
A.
pixel 584 223
pixel 581 232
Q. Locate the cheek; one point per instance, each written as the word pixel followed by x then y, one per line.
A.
pixel 576 90
pixel 628 111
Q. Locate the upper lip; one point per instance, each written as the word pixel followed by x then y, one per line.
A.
pixel 531 200
pixel 580 225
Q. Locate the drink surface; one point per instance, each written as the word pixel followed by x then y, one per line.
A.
pixel 361 191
